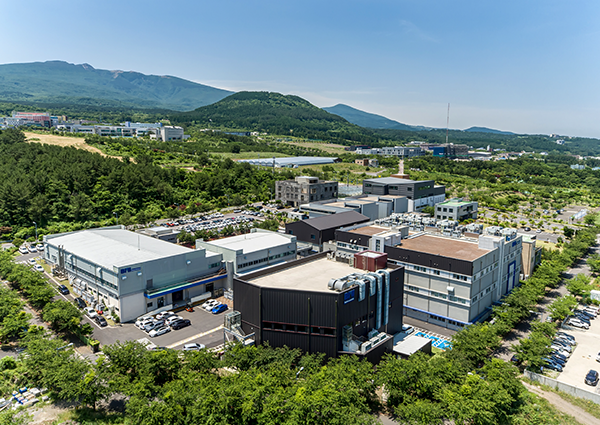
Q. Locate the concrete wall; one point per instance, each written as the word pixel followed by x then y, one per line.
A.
pixel 561 386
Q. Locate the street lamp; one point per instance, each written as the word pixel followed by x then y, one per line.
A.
pixel 36 236
pixel 116 214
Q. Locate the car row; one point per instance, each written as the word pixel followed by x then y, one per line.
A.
pixel 26 249
pixel 581 318
pixel 561 348
pixel 162 323
pixel 214 306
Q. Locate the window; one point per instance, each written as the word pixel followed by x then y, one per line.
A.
pixel 149 305
pixel 312 237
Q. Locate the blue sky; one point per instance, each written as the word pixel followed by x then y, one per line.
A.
pixel 524 66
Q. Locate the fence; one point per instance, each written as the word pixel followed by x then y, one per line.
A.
pixel 565 388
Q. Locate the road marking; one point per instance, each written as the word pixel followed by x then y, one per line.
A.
pixel 200 335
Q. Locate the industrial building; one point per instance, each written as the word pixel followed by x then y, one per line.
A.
pixel 399 151
pixel 163 233
pixel 374 207
pixel 420 193
pixel 130 273
pixel 291 162
pixel 451 282
pixel 258 249
pixel 318 304
pixel 317 231
pixel 367 162
pixel 305 189
pixel 456 209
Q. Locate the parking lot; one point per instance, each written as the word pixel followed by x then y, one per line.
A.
pixel 583 357
pixel 206 328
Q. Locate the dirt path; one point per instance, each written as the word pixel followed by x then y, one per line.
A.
pixel 564 406
pixel 51 139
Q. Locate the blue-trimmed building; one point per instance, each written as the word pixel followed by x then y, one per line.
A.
pixel 133 274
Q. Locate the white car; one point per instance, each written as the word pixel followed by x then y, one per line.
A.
pixel 141 319
pixel 23 250
pixel 38 268
pixel 194 346
pixel 32 248
pixel 164 315
pixel 210 305
pixel 578 324
pixel 172 319
pixel 159 331
pixel 407 329
pixel 31 261
pixel 90 312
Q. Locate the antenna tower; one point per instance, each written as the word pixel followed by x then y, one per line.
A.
pixel 447 123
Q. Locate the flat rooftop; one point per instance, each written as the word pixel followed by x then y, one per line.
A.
pixel 252 242
pixel 371 230
pixel 393 180
pixel 111 247
pixel 445 247
pixel 454 203
pixel 311 276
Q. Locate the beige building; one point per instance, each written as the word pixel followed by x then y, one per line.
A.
pixel 305 189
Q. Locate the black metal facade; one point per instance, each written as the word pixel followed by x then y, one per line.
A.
pixel 429 260
pixel 312 320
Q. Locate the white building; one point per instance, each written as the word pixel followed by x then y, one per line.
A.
pixel 258 249
pixel 131 273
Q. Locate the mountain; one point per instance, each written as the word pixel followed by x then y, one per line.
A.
pixel 366 119
pixel 271 112
pixel 65 83
pixel 486 130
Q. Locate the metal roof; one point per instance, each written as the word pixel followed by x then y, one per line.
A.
pixel 252 242
pixel 334 221
pixel 290 161
pixel 392 180
pixel 109 247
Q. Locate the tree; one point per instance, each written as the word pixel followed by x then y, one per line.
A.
pixel 594 262
pixel 562 307
pixel 568 232
pixel 14 326
pixel 429 210
pixel 63 316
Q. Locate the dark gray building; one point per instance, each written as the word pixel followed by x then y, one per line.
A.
pixel 420 193
pixel 305 189
pixel 319 230
pixel 321 305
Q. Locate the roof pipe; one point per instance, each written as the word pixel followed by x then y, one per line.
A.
pixel 379 279
pixel 386 299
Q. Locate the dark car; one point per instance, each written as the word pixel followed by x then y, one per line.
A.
pixel 80 303
pixel 527 229
pixel 63 289
pixel 101 321
pixel 591 378
pixel 178 324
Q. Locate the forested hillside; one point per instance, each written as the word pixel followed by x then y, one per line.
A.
pixel 49 184
pixel 66 83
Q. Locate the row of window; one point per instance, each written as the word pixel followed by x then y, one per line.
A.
pixel 96 279
pixel 213 265
pixel 437 294
pixel 298 329
pixel 436 272
pixel 484 292
pixel 262 260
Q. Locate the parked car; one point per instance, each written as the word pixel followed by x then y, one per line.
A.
pixel 407 329
pixel 172 319
pixel 564 345
pixel 38 268
pixel 583 319
pixel 554 366
pixel 101 321
pixel 219 308
pixel 155 324
pixel 40 247
pixel 591 312
pixel 560 349
pixel 32 248
pixel 141 319
pixel 31 261
pixel 79 302
pixel 558 360
pixel 23 250
pixel 63 289
pixel 178 324
pixel 90 312
pixel 210 304
pixel 194 346
pixel 591 378
pixel 565 335
pixel 164 314
pixel 578 323
pixel 159 331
